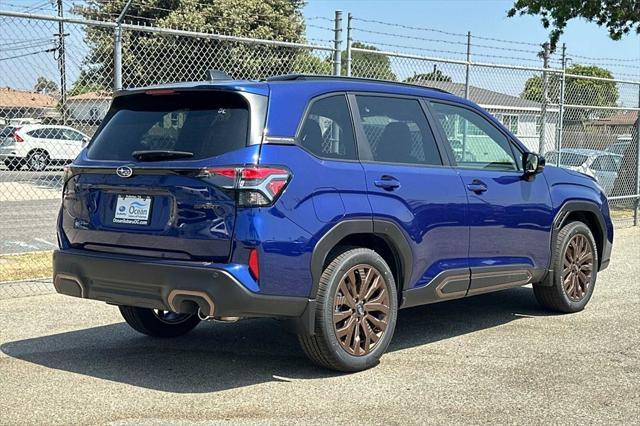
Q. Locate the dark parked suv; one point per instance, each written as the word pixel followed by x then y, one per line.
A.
pixel 328 202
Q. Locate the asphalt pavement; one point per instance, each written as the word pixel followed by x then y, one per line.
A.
pixel 29 203
pixel 496 358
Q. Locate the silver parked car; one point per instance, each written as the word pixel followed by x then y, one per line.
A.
pixel 601 165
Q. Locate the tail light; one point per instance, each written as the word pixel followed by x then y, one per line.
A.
pixel 257 185
pixel 16 136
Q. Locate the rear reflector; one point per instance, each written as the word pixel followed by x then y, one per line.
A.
pixel 257 185
pixel 254 268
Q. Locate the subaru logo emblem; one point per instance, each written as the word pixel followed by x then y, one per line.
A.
pixel 124 171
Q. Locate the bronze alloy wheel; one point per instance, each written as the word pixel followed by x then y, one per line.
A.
pixel 578 267
pixel 361 309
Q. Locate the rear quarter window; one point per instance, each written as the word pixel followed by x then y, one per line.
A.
pixel 206 124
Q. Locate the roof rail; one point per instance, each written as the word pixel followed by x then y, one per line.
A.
pixel 294 77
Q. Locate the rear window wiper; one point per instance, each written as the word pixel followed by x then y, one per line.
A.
pixel 160 155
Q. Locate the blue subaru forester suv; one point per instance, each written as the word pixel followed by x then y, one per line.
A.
pixel 328 202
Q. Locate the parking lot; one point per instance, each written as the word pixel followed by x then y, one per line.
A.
pixel 496 358
pixel 30 201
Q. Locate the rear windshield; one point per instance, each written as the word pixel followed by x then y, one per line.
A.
pixel 203 123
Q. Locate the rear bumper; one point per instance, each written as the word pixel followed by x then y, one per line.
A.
pixel 173 286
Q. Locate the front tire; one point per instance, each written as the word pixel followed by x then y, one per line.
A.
pixel 356 312
pixel 574 268
pixel 158 323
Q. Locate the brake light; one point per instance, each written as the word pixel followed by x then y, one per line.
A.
pixel 254 268
pixel 257 185
pixel 16 136
pixel 160 92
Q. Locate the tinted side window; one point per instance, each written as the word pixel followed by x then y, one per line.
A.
pixel 604 163
pixel 327 130
pixel 71 135
pixel 397 130
pixel 38 134
pixel 475 142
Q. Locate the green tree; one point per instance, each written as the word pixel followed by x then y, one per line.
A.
pixel 578 91
pixel 150 58
pixel 367 65
pixel 435 75
pixel 44 85
pixel 619 16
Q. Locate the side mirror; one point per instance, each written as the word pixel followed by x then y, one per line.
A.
pixel 85 141
pixel 532 163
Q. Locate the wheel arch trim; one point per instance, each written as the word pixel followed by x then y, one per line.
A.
pixel 387 230
pixel 580 206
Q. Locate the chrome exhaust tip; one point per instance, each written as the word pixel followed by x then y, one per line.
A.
pixel 205 304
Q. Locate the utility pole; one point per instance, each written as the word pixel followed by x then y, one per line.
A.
pixel 468 66
pixel 545 97
pixel 337 42
pixel 61 64
pixel 349 41
pixel 562 94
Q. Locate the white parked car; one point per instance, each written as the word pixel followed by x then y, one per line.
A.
pixel 37 146
pixel 601 165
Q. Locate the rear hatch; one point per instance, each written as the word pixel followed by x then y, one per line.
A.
pixel 147 183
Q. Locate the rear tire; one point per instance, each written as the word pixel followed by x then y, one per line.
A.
pixel 158 323
pixel 13 164
pixel 356 311
pixel 37 161
pixel 575 268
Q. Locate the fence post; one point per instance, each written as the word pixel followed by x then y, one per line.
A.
pixel 349 41
pixel 117 50
pixel 545 96
pixel 337 42
pixel 468 66
pixel 561 113
pixel 635 211
pixel 62 68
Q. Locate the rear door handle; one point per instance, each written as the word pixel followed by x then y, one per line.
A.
pixel 477 186
pixel 387 182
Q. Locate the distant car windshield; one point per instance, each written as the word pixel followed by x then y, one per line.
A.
pixel 569 159
pixel 618 148
pixel 205 124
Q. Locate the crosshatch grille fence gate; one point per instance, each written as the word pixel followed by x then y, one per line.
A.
pixel 62 72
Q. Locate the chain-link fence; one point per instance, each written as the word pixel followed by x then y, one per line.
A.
pixel 57 76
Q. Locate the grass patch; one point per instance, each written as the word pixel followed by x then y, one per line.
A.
pixel 14 267
pixel 621 213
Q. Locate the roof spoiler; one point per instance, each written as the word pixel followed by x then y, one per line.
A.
pixel 214 75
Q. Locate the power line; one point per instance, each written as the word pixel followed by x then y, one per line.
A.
pixel 443 32
pixel 422 49
pixel 28 54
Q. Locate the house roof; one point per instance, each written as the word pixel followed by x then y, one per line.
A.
pixel 484 97
pixel 12 98
pixel 626 118
pixel 91 96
